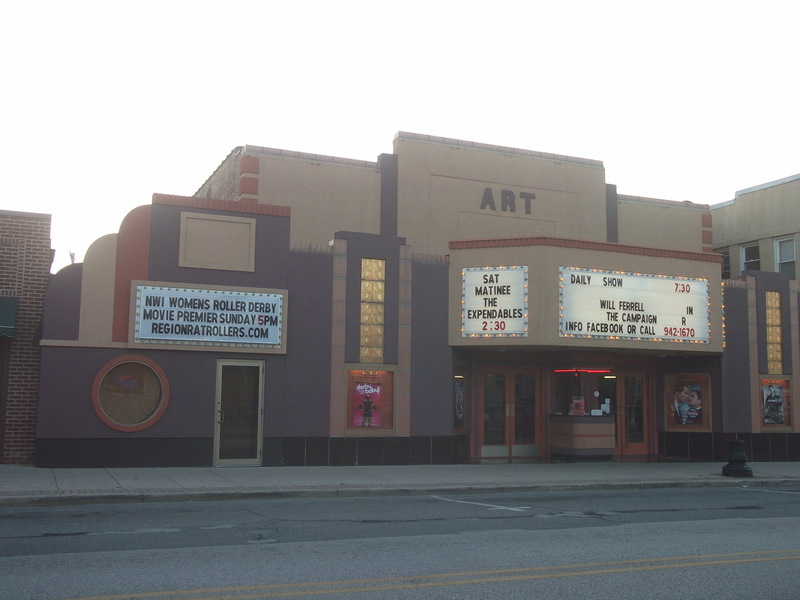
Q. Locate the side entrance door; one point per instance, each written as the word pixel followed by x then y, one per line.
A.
pixel 508 415
pixel 633 415
pixel 238 434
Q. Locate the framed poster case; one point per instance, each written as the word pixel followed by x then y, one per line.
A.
pixel 687 402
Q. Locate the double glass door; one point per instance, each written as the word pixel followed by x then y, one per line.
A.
pixel 508 427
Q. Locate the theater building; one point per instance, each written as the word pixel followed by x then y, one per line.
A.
pixel 450 302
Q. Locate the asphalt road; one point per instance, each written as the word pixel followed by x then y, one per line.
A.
pixel 660 543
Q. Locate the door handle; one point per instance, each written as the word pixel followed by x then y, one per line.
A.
pixel 221 417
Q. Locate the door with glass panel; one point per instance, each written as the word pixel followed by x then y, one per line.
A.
pixel 238 434
pixel 508 427
pixel 633 416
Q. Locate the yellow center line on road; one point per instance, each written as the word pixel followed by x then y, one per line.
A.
pixel 311 588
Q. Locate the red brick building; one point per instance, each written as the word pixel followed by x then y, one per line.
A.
pixel 25 259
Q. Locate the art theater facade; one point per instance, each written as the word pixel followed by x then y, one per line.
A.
pixel 450 302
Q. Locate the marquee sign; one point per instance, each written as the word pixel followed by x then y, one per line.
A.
pixel 494 302
pixel 633 306
pixel 173 315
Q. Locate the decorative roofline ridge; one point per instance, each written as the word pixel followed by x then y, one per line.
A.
pixel 431 139
pixel 645 200
pixel 251 208
pixel 350 162
pixel 584 245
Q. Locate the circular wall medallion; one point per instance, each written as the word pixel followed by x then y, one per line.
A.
pixel 130 393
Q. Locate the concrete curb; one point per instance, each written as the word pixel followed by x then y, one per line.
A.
pixel 74 498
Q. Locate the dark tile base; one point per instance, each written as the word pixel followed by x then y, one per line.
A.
pixel 309 451
pixel 759 447
pixel 122 453
pixel 373 451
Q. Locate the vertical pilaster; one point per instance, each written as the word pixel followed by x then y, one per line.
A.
pixel 794 332
pixel 752 347
pixel 403 385
pixel 338 403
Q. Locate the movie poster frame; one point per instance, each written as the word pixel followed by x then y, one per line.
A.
pixel 785 385
pixel 697 382
pixel 383 421
pixel 461 400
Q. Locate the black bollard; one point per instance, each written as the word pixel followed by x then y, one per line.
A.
pixel 737 461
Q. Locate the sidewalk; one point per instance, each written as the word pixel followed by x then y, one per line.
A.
pixel 29 486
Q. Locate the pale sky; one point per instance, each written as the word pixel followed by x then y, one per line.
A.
pixel 104 103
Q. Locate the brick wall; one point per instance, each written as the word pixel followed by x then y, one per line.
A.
pixel 25 259
pixel 223 184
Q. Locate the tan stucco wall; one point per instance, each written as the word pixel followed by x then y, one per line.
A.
pixel 97 292
pixel 458 190
pixel 442 185
pixel 661 224
pixel 325 195
pixel 763 213
pixel 543 264
pixel 758 215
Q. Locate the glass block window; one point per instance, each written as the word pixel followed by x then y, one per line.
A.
pixel 785 256
pixel 774 333
pixel 373 286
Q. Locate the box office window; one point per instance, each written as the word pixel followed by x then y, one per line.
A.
pixel 580 393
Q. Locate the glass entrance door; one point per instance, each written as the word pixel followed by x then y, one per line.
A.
pixel 508 428
pixel 632 416
pixel 238 434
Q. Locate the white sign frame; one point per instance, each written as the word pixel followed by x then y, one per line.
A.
pixel 494 301
pixel 173 315
pixel 595 303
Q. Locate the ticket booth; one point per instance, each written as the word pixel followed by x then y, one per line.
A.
pixel 601 413
pixel 526 412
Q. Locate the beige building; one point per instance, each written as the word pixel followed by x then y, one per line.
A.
pixel 758 229
pixel 454 190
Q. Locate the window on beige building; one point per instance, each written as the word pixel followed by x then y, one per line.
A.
pixel 785 256
pixel 726 262
pixel 751 258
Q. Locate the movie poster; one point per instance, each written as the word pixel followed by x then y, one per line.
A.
pixel 459 392
pixel 578 406
pixel 366 404
pixel 688 402
pixel 775 395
